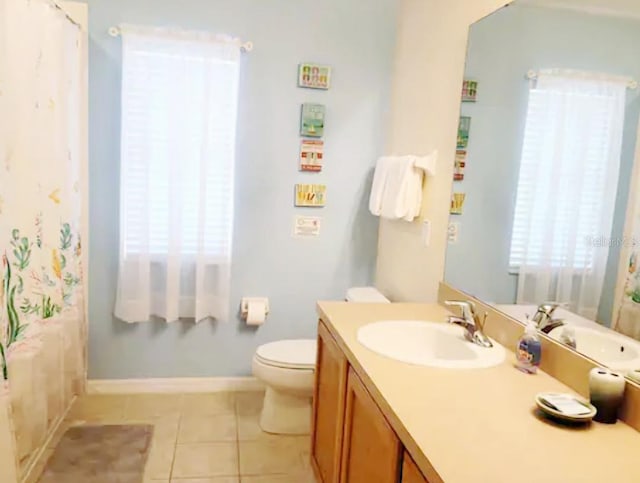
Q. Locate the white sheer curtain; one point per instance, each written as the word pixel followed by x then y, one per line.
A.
pixel 567 188
pixel 179 106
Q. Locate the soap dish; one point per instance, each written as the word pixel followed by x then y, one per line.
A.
pixel 565 407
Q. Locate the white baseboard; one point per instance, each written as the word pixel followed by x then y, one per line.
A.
pixel 173 385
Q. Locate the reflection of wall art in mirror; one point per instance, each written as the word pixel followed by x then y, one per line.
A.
pixel 311 195
pixel 312 120
pixel 311 155
pixel 469 91
pixel 457 203
pixel 463 132
pixel 460 163
pixel 314 76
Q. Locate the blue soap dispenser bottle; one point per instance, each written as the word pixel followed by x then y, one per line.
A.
pixel 529 350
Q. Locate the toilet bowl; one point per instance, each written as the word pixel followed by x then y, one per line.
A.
pixel 287 369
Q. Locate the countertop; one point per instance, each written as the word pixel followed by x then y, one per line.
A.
pixel 478 425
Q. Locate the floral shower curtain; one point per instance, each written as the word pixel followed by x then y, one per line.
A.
pixel 42 326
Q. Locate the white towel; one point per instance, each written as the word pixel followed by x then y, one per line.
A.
pixel 396 192
pixel 383 167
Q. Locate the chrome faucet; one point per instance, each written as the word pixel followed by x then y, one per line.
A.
pixel 470 322
pixel 543 317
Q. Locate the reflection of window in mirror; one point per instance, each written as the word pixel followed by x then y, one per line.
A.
pixel 567 187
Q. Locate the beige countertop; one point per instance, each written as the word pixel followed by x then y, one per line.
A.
pixel 479 425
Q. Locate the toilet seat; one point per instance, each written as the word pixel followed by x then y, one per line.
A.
pixel 296 354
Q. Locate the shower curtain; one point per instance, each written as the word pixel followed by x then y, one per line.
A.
pixel 42 323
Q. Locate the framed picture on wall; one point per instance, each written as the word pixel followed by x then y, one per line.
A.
pixel 463 132
pixel 469 90
pixel 312 195
pixel 314 76
pixel 312 120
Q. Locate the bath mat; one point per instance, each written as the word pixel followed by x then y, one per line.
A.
pixel 100 454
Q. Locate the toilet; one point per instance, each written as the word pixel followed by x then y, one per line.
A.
pixel 287 369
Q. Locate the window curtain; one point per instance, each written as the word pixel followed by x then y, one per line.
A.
pixel 567 188
pixel 42 324
pixel 179 109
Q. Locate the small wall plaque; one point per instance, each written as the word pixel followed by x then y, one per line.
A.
pixel 312 120
pixel 312 195
pixel 314 76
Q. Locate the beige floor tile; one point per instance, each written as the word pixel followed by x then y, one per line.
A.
pixel 218 479
pixel 165 428
pixel 160 461
pixel 99 408
pixel 208 404
pixel 204 429
pixel 293 478
pixel 141 406
pixel 249 403
pixel 274 456
pixel 205 460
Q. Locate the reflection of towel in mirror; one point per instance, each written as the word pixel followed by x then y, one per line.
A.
pixel 396 192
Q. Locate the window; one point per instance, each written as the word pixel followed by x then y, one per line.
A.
pixel 179 119
pixel 568 171
pixel 179 110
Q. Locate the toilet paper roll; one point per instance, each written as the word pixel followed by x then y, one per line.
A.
pixel 256 313
pixel 606 389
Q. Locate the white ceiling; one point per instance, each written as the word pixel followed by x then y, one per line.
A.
pixel 617 8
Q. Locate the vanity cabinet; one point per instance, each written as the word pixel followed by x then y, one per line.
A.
pixel 371 450
pixel 328 407
pixel 352 441
pixel 410 472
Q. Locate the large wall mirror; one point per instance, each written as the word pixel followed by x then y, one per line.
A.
pixel 543 205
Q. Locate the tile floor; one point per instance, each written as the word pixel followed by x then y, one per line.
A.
pixel 201 438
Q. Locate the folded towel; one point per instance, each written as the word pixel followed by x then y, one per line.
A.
pixel 398 200
pixel 396 192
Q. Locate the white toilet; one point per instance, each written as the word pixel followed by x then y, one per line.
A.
pixel 287 368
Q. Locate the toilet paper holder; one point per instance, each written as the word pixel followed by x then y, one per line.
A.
pixel 244 305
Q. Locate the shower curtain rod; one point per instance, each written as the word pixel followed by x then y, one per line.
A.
pixel 631 83
pixel 245 46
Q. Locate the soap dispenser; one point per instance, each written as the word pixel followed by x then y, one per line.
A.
pixel 529 350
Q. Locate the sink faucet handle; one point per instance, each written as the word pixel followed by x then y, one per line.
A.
pixel 468 308
pixel 550 307
pixel 484 321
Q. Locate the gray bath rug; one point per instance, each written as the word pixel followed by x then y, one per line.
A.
pixel 100 454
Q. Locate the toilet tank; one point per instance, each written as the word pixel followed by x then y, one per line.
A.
pixel 365 295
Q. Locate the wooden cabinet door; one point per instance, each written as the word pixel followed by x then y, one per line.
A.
pixel 371 450
pixel 328 408
pixel 410 471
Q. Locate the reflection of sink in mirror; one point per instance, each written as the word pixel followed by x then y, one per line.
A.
pixel 613 350
pixel 617 352
pixel 524 312
pixel 423 343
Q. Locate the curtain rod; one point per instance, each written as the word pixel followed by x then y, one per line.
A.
pixel 631 83
pixel 244 46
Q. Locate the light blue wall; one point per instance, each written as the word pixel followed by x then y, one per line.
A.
pixel 502 48
pixel 357 38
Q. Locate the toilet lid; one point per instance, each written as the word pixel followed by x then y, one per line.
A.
pixel 294 354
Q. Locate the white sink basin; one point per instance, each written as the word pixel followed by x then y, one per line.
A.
pixel 608 348
pixel 422 343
